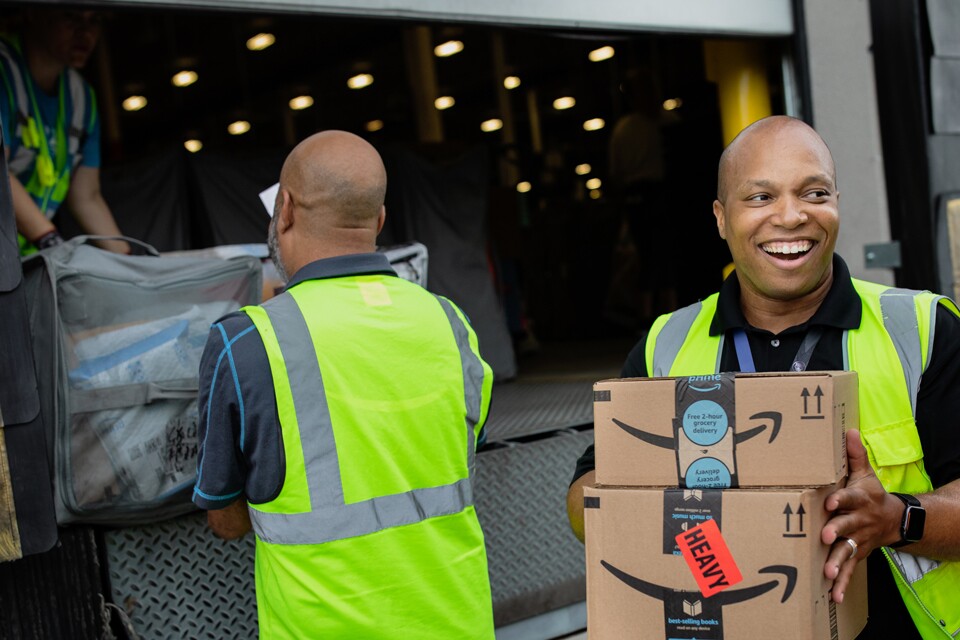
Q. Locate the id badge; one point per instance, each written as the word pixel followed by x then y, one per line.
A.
pixel 45 171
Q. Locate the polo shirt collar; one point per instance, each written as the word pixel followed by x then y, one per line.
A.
pixel 841 308
pixel 354 264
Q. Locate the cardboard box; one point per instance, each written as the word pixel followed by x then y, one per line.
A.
pixel 725 430
pixel 768 584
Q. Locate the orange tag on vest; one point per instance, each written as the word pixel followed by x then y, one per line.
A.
pixel 708 557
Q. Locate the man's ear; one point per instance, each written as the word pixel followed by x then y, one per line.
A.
pixel 285 212
pixel 719 214
pixel 381 219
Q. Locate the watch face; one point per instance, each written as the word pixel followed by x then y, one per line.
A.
pixel 913 521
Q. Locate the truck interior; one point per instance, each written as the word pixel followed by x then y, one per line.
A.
pixel 498 143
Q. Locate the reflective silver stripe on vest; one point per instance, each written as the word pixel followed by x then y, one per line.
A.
pixel 309 401
pixel 20 160
pixel 912 567
pixel 672 337
pixel 472 377
pixel 900 321
pixel 330 518
pixel 78 98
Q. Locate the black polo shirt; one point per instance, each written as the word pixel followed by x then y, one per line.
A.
pixel 938 401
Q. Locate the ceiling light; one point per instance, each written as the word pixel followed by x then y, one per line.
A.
pixel 373 125
pixel 447 49
pixel 444 102
pixel 238 128
pixel 193 145
pixel 595 194
pixel 511 82
pixel 594 124
pixel 583 169
pixel 491 125
pixel 524 187
pixel 603 53
pixel 260 41
pixel 564 103
pixel 134 103
pixel 672 103
pixel 301 102
pixel 594 183
pixel 360 81
pixel 184 78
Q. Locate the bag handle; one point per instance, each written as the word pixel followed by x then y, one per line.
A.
pixel 88 239
pixel 132 395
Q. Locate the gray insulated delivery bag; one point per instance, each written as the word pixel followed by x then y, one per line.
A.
pixel 117 342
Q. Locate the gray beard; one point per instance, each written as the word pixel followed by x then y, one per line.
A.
pixel 274 246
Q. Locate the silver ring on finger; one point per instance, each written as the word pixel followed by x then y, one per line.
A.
pixel 853 546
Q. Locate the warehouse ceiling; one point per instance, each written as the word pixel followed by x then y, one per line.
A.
pixel 316 56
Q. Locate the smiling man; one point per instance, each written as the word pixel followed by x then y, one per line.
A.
pixel 793 306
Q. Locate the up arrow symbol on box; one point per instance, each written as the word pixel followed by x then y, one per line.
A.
pixel 788 512
pixel 818 394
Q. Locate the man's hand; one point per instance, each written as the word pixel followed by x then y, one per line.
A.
pixel 90 209
pixel 575 502
pixel 230 522
pixel 862 512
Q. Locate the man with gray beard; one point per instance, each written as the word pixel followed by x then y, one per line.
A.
pixel 339 420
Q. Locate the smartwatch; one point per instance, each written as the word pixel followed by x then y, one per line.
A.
pixel 911 524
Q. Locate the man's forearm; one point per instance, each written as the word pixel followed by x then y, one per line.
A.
pixel 90 209
pixel 941 532
pixel 94 217
pixel 31 222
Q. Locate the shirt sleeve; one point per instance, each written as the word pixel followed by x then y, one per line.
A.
pixel 636 363
pixel 241 444
pixel 219 462
pixel 938 402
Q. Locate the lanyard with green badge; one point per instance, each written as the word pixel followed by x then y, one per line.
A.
pixel 48 171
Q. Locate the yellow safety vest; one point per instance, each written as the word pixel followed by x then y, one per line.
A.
pixel 48 180
pixel 374 532
pixel 890 350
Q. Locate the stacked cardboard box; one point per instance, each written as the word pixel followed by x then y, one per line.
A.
pixel 705 520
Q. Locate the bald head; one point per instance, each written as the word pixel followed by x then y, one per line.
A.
pixel 337 179
pixel 770 132
pixel 330 201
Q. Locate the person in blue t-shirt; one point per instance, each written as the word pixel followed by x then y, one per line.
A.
pixel 51 127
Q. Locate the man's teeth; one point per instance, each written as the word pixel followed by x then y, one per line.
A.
pixel 801 246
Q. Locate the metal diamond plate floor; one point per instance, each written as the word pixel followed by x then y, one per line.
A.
pixel 176 580
pixel 520 409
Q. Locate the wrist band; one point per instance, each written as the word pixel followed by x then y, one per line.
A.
pixel 49 239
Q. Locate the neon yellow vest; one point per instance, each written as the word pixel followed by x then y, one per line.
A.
pixel 48 180
pixel 889 371
pixel 381 393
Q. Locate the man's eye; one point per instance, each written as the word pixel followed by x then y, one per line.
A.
pixel 760 197
pixel 819 193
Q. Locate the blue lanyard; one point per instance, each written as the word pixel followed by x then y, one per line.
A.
pixel 800 361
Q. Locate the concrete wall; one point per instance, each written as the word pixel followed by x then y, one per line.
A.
pixel 845 113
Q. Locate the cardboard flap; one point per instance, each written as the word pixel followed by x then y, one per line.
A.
pixel 895 443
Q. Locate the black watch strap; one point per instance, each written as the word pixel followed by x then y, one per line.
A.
pixel 913 519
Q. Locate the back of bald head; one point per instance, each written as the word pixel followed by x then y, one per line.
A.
pixel 765 131
pixel 338 178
